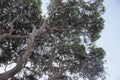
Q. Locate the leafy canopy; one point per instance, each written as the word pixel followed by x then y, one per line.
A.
pixel 69 48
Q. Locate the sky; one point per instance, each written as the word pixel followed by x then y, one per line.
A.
pixel 110 39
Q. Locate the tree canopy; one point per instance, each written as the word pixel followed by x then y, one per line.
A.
pixel 57 46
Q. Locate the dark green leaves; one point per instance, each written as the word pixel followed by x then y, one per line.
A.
pixel 69 48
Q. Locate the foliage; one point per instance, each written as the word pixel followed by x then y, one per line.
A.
pixel 70 48
pixel 29 12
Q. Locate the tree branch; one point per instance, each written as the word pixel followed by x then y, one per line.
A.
pixel 11 25
pixel 55 74
pixel 30 40
pixel 22 62
pixel 2 15
pixel 3 36
pixel 51 61
pixel 7 35
pixel 57 11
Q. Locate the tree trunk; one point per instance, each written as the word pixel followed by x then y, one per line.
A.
pixel 22 62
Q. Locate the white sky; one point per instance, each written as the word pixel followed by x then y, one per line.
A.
pixel 110 38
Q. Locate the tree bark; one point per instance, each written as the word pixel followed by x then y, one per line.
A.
pixel 22 62
pixel 30 39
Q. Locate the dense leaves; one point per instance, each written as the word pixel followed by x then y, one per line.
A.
pixel 23 15
pixel 69 49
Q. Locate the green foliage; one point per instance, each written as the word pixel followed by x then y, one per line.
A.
pixel 73 49
pixel 99 52
pixel 30 11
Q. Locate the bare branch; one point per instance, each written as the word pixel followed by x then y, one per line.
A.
pixel 17 36
pixel 3 36
pixel 55 74
pixel 22 62
pixel 51 61
pixel 57 11
pixel 6 35
pixel 29 41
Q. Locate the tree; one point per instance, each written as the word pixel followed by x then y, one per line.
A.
pixel 62 43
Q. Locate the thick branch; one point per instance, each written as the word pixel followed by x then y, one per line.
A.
pixel 6 35
pixel 22 62
pixel 3 36
pixel 18 36
pixel 30 39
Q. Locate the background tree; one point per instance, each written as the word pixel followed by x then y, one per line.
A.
pixel 61 44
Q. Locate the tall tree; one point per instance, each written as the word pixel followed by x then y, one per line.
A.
pixel 58 46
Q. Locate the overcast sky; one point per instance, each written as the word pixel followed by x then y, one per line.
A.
pixel 110 38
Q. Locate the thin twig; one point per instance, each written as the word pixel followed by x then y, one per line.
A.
pixel 57 11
